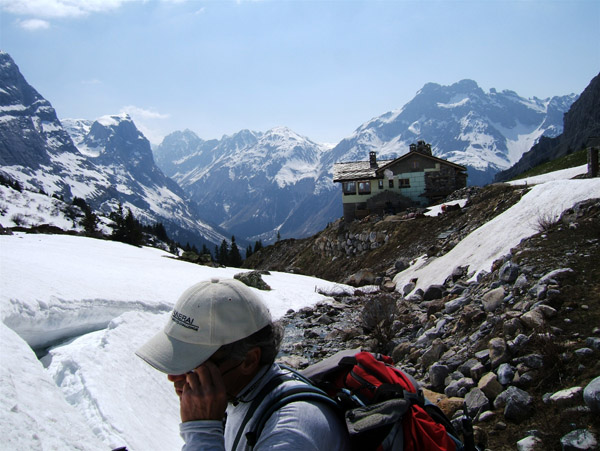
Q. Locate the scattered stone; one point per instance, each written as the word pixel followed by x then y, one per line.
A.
pixel 530 443
pixel 459 388
pixel 506 373
pixel 476 402
pixel 489 385
pixel 580 439
pixel 533 319
pixel 434 292
pixel 591 395
pixel 508 272
pixel 593 342
pixel 493 299
pixel 437 375
pixel 498 351
pixel 567 397
pixel 517 403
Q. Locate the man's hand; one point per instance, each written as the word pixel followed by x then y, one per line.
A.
pixel 204 396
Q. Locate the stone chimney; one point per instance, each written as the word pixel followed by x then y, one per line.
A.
pixel 373 159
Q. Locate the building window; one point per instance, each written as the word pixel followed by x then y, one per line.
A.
pixel 349 188
pixel 416 165
pixel 364 187
pixel 404 183
pixel 380 183
pixel 391 183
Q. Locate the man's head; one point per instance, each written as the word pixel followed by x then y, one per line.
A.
pixel 207 316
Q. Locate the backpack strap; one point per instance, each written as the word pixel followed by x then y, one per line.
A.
pixel 274 382
pixel 306 393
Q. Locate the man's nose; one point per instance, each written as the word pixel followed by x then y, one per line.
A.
pixel 176 377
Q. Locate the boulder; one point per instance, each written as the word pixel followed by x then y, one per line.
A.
pixel 489 385
pixel 591 395
pixel 567 397
pixel 493 299
pixel 476 402
pixel 506 373
pixel 508 272
pixel 434 292
pixel 579 439
pixel 517 403
pixel 533 319
pixel 498 351
pixel 253 279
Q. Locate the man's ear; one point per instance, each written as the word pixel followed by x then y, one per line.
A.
pixel 252 361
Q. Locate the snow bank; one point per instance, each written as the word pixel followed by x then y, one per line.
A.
pixel 556 175
pixel 33 411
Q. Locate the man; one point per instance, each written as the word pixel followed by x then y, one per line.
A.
pixel 218 349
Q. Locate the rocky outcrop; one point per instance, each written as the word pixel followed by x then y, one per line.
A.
pixel 515 347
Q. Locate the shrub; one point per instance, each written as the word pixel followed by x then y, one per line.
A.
pixel 378 318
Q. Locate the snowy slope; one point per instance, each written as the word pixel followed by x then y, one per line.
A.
pixel 110 298
pixel 552 194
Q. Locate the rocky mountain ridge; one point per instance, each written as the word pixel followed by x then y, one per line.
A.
pixel 112 163
pixel 581 128
pixel 290 189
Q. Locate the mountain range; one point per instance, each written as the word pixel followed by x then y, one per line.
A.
pixel 254 185
pixel 107 162
pixel 259 184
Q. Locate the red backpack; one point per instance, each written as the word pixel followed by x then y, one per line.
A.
pixel 383 407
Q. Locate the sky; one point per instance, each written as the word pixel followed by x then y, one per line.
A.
pixel 321 68
pixel 91 392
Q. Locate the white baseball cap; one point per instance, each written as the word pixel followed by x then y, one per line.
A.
pixel 207 316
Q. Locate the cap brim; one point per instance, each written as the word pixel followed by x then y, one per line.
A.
pixel 172 356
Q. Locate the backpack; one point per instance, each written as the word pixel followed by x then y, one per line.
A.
pixel 383 407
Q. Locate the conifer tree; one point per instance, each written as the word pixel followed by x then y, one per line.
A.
pixel 235 258
pixel 224 253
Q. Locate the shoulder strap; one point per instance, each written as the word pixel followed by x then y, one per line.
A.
pixel 274 382
pixel 306 393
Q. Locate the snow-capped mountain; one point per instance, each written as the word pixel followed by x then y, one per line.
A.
pixel 111 164
pixel 487 132
pixel 253 184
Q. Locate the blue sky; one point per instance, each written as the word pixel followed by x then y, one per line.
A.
pixel 321 68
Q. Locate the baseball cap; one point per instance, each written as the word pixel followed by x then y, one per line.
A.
pixel 206 316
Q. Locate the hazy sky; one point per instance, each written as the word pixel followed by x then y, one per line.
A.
pixel 321 68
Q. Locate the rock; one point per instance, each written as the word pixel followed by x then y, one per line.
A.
pixel 532 361
pixel 408 288
pixel 437 375
pixel 434 292
pixel 517 403
pixel 490 386
pixel 553 277
pixel 508 272
pixel 530 443
pixel 455 304
pixel 593 342
pixel 506 373
pixel 512 326
pixel 438 347
pixel 389 286
pixel 493 299
pixel 498 351
pixel 253 279
pixel 293 361
pixel 459 388
pixel 591 395
pixel 533 319
pixel 401 265
pixel 580 439
pixel 361 278
pixel 476 402
pixel 451 405
pixel 584 352
pixel 567 397
pixel 521 284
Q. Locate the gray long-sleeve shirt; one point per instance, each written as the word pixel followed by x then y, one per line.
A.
pixel 300 425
